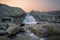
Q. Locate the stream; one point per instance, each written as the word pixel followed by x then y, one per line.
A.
pixel 28 36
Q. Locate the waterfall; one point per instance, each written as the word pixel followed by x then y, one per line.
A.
pixel 29 19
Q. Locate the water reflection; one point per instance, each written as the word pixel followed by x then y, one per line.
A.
pixel 32 35
pixel 43 38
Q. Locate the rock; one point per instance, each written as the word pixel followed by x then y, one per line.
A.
pixel 10 11
pixel 3 26
pixel 22 24
pixel 4 38
pixel 13 28
pixel 45 30
pixel 53 28
pixel 54 37
pixel 40 32
pixel 11 14
pixel 2 32
pixel 50 16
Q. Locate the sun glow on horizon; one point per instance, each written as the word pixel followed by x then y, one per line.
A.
pixel 28 5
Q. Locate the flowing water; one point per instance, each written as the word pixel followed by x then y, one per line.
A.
pixel 28 36
pixel 31 36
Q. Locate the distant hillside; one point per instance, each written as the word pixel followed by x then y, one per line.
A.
pixel 51 16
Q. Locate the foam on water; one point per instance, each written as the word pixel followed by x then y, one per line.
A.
pixel 29 19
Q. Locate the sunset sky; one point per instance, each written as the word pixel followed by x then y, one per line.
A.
pixel 39 5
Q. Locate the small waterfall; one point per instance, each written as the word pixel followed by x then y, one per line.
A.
pixel 29 19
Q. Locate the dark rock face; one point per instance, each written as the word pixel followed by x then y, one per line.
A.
pixel 7 10
pixel 51 16
pixel 13 13
pixel 10 14
pixel 4 38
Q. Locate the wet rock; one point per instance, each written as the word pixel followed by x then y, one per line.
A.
pixel 2 32
pixel 54 38
pixel 45 30
pixel 13 28
pixel 22 30
pixel 54 29
pixel 3 26
pixel 40 33
pixel 22 24
pixel 4 38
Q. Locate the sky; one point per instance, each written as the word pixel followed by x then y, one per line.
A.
pixel 38 5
